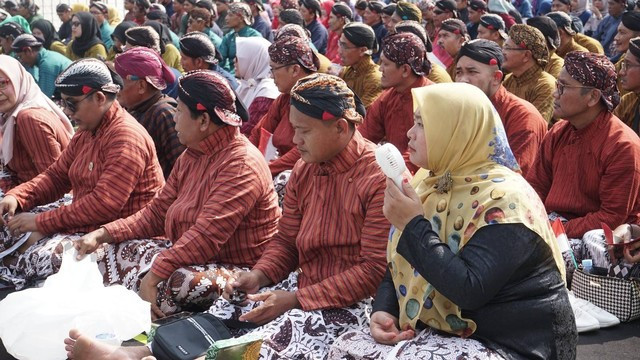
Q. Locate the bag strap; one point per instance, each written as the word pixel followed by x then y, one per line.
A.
pixel 237 324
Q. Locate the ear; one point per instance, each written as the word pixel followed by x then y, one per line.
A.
pixel 342 126
pixel 497 76
pixel 406 70
pixel 594 97
pixel 204 120
pixel 100 98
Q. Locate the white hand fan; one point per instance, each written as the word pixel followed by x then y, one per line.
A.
pixel 391 162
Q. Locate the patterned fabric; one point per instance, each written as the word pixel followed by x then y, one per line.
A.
pixel 332 229
pixel 243 10
pixel 218 206
pixel 280 184
pixel 530 38
pixel 461 193
pixel 589 190
pixel 427 344
pixel 85 75
pixel 536 86
pixel 629 110
pixel 205 90
pixel 455 26
pixel 416 28
pixel 298 334
pixel 258 108
pixel 113 172
pixel 156 115
pixel 325 97
pixel 364 79
pixel 407 48
pixel 144 36
pixel 293 50
pixel 294 30
pixel 143 63
pixel 597 71
pixel 484 51
pixel 39 260
pixel 555 65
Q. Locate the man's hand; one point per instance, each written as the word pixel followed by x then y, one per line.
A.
pixel 275 303
pixel 149 292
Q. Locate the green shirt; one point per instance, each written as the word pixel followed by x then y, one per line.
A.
pixel 47 68
pixel 228 47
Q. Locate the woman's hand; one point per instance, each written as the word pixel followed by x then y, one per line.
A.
pixel 90 242
pixel 384 329
pixel 275 303
pixel 401 205
pixel 631 253
pixel 622 234
pixel 23 223
pixel 149 292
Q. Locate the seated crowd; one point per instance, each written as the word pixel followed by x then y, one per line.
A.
pixel 201 150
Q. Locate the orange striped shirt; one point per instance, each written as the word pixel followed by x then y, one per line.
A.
pixel 332 229
pixel 113 172
pixel 218 205
pixel 39 140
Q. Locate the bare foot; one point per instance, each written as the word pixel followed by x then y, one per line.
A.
pixel 80 347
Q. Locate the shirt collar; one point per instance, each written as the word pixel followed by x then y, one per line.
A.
pixel 219 140
pixel 142 107
pixel 499 95
pixel 114 112
pixel 345 159
pixel 529 75
pixel 600 121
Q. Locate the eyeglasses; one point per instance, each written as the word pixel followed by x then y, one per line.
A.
pixel 627 65
pixel 505 47
pixel 97 12
pixel 560 87
pixel 4 84
pixel 75 23
pixel 280 67
pixel 72 106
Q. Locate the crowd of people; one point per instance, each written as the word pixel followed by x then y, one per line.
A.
pixel 201 149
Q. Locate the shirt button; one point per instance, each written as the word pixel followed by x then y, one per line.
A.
pixel 350 180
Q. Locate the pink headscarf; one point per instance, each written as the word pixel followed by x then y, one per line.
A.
pixel 28 95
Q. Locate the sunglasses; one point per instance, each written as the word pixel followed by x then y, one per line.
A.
pixel 438 12
pixel 75 23
pixel 72 106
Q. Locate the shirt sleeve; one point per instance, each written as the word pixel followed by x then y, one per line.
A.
pixel 372 128
pixel 281 255
pixel 471 278
pixel 540 175
pixel 124 162
pixel 39 139
pixel 361 280
pixel 543 101
pixel 284 162
pixel 386 299
pixel 230 198
pixel 50 185
pixel 149 221
pixel 618 192
pixel 166 133
pixel 525 141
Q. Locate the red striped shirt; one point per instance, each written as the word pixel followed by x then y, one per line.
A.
pixel 218 205
pixel 591 175
pixel 332 229
pixel 39 140
pixel 276 121
pixel 390 117
pixel 113 172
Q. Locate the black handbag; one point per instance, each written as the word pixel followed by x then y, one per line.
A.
pixel 190 337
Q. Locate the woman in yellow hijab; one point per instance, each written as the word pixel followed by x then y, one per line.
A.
pixel 473 267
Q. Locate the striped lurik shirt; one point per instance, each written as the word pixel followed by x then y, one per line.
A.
pixel 218 205
pixel 113 172
pixel 332 229
pixel 40 138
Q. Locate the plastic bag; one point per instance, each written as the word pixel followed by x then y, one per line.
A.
pixel 35 322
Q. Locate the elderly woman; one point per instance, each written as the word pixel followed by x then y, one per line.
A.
pixel 34 130
pixel 86 41
pixel 110 165
pixel 473 266
pixel 217 208
pixel 257 91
